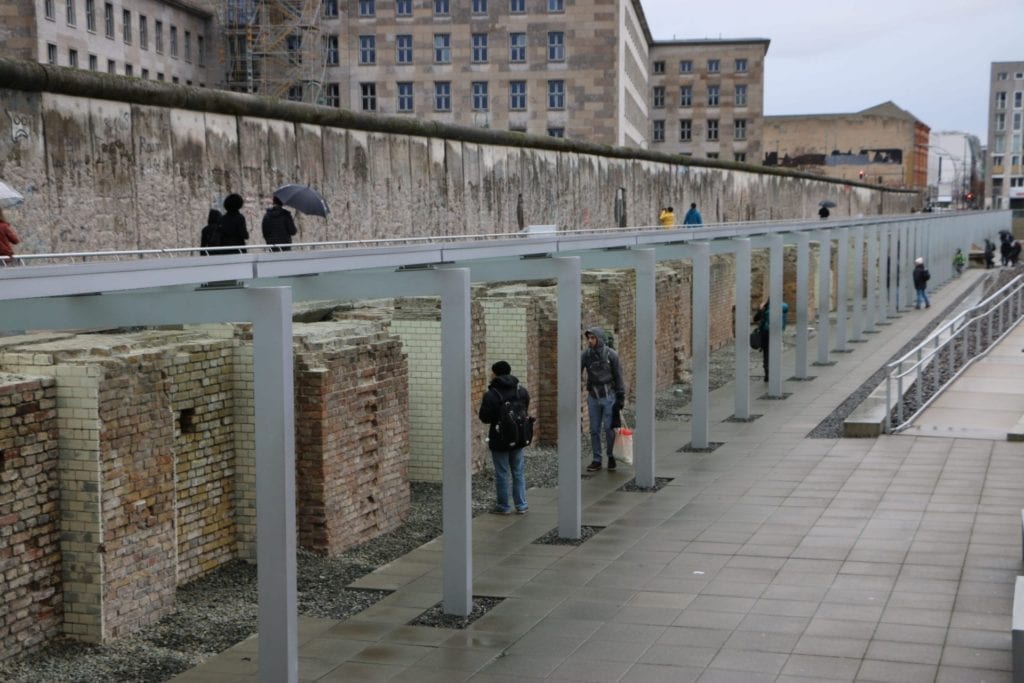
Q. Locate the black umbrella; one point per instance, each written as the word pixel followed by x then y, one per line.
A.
pixel 303 199
pixel 827 203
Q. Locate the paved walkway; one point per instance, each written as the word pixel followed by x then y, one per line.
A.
pixel 774 558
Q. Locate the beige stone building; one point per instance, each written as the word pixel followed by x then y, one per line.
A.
pixel 1004 173
pixel 882 145
pixel 707 97
pixel 164 40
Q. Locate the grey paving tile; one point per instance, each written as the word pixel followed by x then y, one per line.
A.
pixel 867 612
pixel 916 617
pixel 655 673
pixel 953 674
pixel 894 651
pixel 821 668
pixel 612 650
pixel 895 672
pixel 974 638
pixel 694 636
pixel 999 660
pixel 632 633
pixel 703 618
pixel 729 676
pixel 831 647
pixel 750 661
pixel 904 633
pixel 579 668
pixel 785 608
pixel 361 671
pixel 833 628
pixel 526 665
pixel 762 641
pixel 678 655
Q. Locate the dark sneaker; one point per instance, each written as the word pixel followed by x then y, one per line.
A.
pixel 523 511
pixel 611 464
pixel 498 511
pixel 594 467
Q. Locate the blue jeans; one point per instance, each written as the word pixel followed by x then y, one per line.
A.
pixel 508 463
pixel 922 299
pixel 599 410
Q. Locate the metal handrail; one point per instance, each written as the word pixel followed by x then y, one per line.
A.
pixel 984 324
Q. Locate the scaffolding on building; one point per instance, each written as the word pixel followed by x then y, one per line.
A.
pixel 272 47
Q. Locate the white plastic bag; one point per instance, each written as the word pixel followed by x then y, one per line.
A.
pixel 622 448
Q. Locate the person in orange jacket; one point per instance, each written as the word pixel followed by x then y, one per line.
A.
pixel 8 238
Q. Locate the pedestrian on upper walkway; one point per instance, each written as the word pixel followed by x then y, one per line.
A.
pixel 233 229
pixel 278 226
pixel 667 217
pixel 8 238
pixel 693 217
pixel 959 261
pixel 823 212
pixel 921 277
pixel 210 234
pixel 990 253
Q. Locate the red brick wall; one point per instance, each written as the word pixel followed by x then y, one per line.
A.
pixel 30 592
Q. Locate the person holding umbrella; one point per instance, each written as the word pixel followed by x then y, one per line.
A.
pixel 823 212
pixel 278 226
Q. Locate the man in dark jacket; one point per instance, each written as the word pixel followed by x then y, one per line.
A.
pixel 233 229
pixel 605 391
pixel 921 278
pixel 508 460
pixel 278 226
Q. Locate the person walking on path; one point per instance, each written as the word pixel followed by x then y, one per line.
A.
pixel 693 217
pixel 278 226
pixel 667 217
pixel 763 320
pixel 921 277
pixel 210 235
pixel 823 212
pixel 509 461
pixel 605 391
pixel 233 229
pixel 990 254
pixel 959 261
pixel 8 238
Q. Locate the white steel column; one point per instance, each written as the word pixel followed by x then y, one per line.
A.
pixel 570 298
pixel 700 337
pixel 842 290
pixel 824 294
pixel 884 259
pixel 275 484
pixel 646 328
pixel 775 275
pixel 858 284
pixel 803 257
pixel 456 514
pixel 741 395
pixel 871 295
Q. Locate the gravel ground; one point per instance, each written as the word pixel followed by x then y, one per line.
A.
pixel 219 610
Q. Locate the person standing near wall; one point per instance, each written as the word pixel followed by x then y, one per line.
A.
pixel 233 229
pixel 605 390
pixel 693 217
pixel 509 460
pixel 667 217
pixel 8 238
pixel 921 278
pixel 763 319
pixel 278 226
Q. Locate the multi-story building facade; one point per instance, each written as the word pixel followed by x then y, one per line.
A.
pixel 883 144
pixel 955 176
pixel 707 97
pixel 164 40
pixel 1004 173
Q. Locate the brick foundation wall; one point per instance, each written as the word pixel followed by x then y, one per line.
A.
pixel 31 609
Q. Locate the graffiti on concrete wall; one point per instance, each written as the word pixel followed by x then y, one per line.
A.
pixel 19 126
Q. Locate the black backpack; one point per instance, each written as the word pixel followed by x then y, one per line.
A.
pixel 514 428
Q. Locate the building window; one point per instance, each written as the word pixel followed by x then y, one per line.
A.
pixel 111 66
pixel 73 58
pixel 93 63
pixel 480 102
pixel 158 36
pixel 403 45
pixel 90 15
pixel 556 5
pixel 174 79
pixel 442 8
pixel 713 66
pixel 70 11
pixel 174 42
pixel 332 95
pixel 1017 181
pixel 48 8
pixel 556 46
pixel 479 48
pixel 292 45
pixel 143 32
pixel 517 95
pixel 686 66
pixel 739 156
pixel 1001 76
pixel 330 8
pixel 128 70
pixel 659 67
pixel 741 66
pixel 442 48
pixel 658 101
pixel 712 130
pixel 556 94
pixel 405 97
pixel 517 6
pixel 479 6
pixel 145 75
pixel 126 29
pixel 997 160
pixel 1017 99
pixel 659 130
pixel 1000 121
pixel 712 155
pixel 556 132
pixel 367 49
pixel 442 96
pixel 741 96
pixel 1016 120
pixel 1000 100
pixel 686 96
pixel 403 8
pixel 51 53
pixel 366 8
pixel 160 76
pixel 108 20
pixel 331 56
pixel 517 47
pixel 201 50
pixel 740 128
pixel 294 92
pixel 368 96
pixel 1000 144
pixel 712 95
pixel 685 130
pixel 188 46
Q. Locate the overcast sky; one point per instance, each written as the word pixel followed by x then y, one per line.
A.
pixel 930 57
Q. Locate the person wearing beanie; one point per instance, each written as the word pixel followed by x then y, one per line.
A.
pixel 505 396
pixel 921 277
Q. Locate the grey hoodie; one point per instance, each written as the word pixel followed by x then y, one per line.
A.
pixel 601 363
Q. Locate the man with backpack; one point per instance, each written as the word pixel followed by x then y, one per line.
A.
pixel 505 407
pixel 605 392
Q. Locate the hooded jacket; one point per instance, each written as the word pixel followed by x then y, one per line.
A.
pixel 601 363
pixel 278 226
pixel 8 238
pixel 921 276
pixel 502 388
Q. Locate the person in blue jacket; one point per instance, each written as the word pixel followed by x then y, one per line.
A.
pixel 762 319
pixel 693 217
